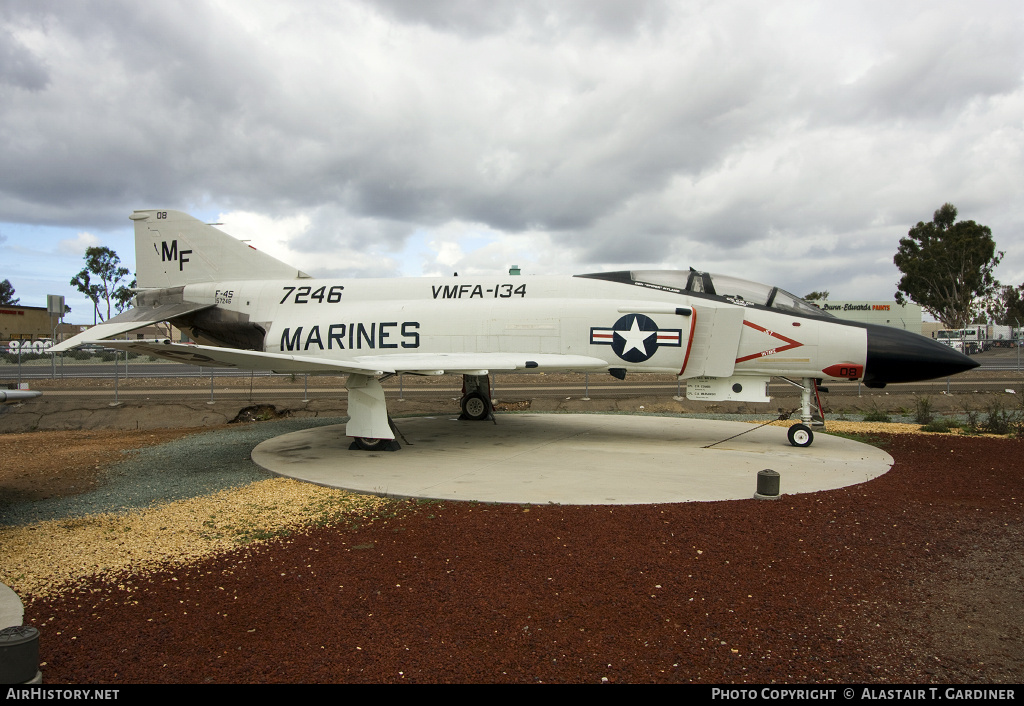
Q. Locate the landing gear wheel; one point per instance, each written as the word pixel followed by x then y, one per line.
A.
pixel 475 407
pixel 371 444
pixel 800 435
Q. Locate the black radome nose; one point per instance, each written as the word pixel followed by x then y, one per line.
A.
pixel 901 356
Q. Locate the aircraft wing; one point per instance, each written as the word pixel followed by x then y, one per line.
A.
pixel 414 363
pixel 481 363
pixel 128 321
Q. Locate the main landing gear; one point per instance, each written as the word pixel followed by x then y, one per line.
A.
pixel 361 443
pixel 368 420
pixel 372 429
pixel 476 398
pixel 475 407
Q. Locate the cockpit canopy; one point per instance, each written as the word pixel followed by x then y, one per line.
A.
pixel 734 289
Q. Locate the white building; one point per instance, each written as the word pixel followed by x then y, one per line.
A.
pixel 887 313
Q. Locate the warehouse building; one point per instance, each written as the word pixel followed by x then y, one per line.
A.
pixel 25 323
pixel 887 313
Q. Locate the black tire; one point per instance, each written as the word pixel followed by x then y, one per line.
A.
pixel 371 444
pixel 475 407
pixel 800 435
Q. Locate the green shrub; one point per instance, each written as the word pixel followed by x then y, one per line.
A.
pixel 999 420
pixel 877 415
pixel 940 425
pixel 971 426
pixel 923 414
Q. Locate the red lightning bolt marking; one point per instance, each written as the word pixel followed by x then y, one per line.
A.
pixel 791 343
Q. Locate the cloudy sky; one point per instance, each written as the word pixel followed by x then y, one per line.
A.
pixel 787 142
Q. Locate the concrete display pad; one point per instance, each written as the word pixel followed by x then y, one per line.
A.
pixel 11 609
pixel 572 459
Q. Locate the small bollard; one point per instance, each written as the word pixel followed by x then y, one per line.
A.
pixel 19 655
pixel 767 485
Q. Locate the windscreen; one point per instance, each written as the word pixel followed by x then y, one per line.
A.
pixel 788 302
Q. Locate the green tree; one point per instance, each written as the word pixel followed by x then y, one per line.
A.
pixel 947 267
pixel 123 296
pixel 83 282
pixel 1007 308
pixel 816 296
pixel 105 265
pixel 7 293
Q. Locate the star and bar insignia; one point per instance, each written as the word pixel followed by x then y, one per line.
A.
pixel 635 337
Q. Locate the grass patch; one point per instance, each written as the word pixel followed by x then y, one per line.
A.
pixel 864 438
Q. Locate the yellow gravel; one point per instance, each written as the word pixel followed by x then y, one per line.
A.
pixel 845 427
pixel 43 558
pixel 860 427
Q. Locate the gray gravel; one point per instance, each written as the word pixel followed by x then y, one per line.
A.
pixel 195 465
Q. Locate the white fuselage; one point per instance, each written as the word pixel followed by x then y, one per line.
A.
pixel 635 328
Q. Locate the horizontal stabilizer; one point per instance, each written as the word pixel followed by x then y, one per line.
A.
pixel 130 320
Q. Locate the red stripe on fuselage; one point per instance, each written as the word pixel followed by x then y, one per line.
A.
pixel 689 342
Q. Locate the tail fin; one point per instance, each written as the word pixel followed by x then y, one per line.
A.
pixel 174 249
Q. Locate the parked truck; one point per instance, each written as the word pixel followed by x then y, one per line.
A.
pixel 977 337
pixel 1001 336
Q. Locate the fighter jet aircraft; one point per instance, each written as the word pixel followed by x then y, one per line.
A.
pixel 726 336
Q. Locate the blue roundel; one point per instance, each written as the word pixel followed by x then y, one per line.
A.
pixel 635 339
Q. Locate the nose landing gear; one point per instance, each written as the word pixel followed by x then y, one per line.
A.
pixel 811 413
pixel 800 435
